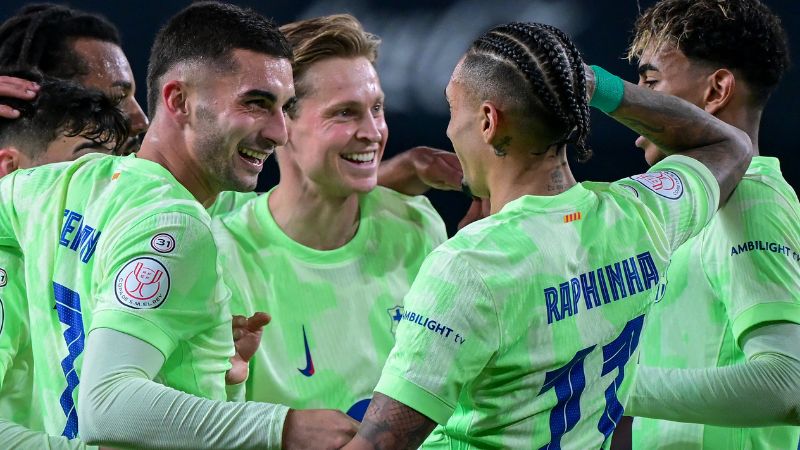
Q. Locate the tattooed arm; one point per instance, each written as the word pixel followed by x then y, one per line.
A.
pixel 677 126
pixel 389 424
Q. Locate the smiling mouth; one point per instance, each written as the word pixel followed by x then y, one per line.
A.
pixel 253 156
pixel 359 157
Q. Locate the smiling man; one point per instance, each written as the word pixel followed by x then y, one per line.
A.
pixel 123 253
pixel 328 253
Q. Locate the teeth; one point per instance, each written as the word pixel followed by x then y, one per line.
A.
pixel 253 154
pixel 359 157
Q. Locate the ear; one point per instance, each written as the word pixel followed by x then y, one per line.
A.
pixel 719 91
pixel 9 160
pixel 490 121
pixel 175 98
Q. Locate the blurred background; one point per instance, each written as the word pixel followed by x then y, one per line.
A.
pixel 422 41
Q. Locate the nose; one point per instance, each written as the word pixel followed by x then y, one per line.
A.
pixel 274 129
pixel 371 128
pixel 138 120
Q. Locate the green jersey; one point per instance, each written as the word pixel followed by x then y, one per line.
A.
pixel 334 313
pixel 522 330
pixel 16 356
pixel 116 243
pixel 228 201
pixel 742 270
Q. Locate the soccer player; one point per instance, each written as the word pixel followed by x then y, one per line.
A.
pixel 722 348
pixel 519 331
pixel 65 43
pixel 124 251
pixel 328 253
pixel 61 123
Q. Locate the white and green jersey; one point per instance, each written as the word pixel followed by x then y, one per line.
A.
pixel 118 243
pixel 742 270
pixel 522 330
pixel 334 312
pixel 16 356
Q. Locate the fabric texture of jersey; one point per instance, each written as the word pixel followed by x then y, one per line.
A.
pixel 742 270
pixel 111 242
pixel 228 201
pixel 16 356
pixel 522 330
pixel 334 312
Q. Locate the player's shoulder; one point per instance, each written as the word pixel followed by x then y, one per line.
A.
pixel 764 182
pixel 228 202
pixel 389 206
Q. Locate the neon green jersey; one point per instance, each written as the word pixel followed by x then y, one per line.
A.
pixel 228 201
pixel 519 331
pixel 742 270
pixel 116 243
pixel 16 356
pixel 334 313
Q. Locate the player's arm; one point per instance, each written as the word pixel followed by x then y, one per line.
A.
pixel 18 437
pixel 675 126
pixel 120 404
pixel 389 424
pixel 764 391
pixel 415 171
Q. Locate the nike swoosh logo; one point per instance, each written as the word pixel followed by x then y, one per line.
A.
pixel 309 370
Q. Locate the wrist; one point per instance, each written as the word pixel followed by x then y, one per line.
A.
pixel 608 90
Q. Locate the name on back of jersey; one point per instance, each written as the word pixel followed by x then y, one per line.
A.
pixel 79 236
pixel 599 286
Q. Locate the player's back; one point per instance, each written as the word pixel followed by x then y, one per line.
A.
pixel 529 319
pixel 94 252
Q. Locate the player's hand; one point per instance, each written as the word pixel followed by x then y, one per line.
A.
pixel 317 428
pixel 479 209
pixel 415 171
pixel 17 88
pixel 246 339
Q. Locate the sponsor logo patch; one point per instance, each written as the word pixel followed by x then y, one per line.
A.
pixel 666 183
pixel 3 277
pixel 142 283
pixel 163 243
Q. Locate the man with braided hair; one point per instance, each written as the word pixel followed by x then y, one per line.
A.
pixel 522 330
pixel 722 350
pixel 65 43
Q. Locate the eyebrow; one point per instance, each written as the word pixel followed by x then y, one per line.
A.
pixel 260 93
pixel 645 67
pixel 125 85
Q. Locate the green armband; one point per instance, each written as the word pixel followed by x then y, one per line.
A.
pixel 608 90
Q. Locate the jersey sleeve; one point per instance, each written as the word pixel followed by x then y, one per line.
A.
pixel 754 263
pixel 14 331
pixel 681 194
pixel 159 282
pixel 448 333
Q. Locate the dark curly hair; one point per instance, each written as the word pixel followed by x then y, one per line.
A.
pixel 40 37
pixel 210 31
pixel 60 107
pixel 742 35
pixel 540 68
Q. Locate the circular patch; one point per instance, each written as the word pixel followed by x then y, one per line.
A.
pixel 666 184
pixel 142 283
pixel 163 243
pixel 3 277
pixel 2 316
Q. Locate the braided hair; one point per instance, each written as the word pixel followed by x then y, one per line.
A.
pixel 39 37
pixel 539 67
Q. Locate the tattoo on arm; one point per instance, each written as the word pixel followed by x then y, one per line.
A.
pixel 501 145
pixel 389 424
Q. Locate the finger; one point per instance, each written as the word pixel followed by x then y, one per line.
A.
pixel 443 174
pixel 17 88
pixel 258 321
pixel 8 112
pixel 239 321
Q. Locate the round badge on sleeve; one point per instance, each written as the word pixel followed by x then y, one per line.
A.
pixel 3 277
pixel 142 283
pixel 163 243
pixel 667 184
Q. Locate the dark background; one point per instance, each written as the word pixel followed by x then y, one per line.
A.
pixel 422 40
